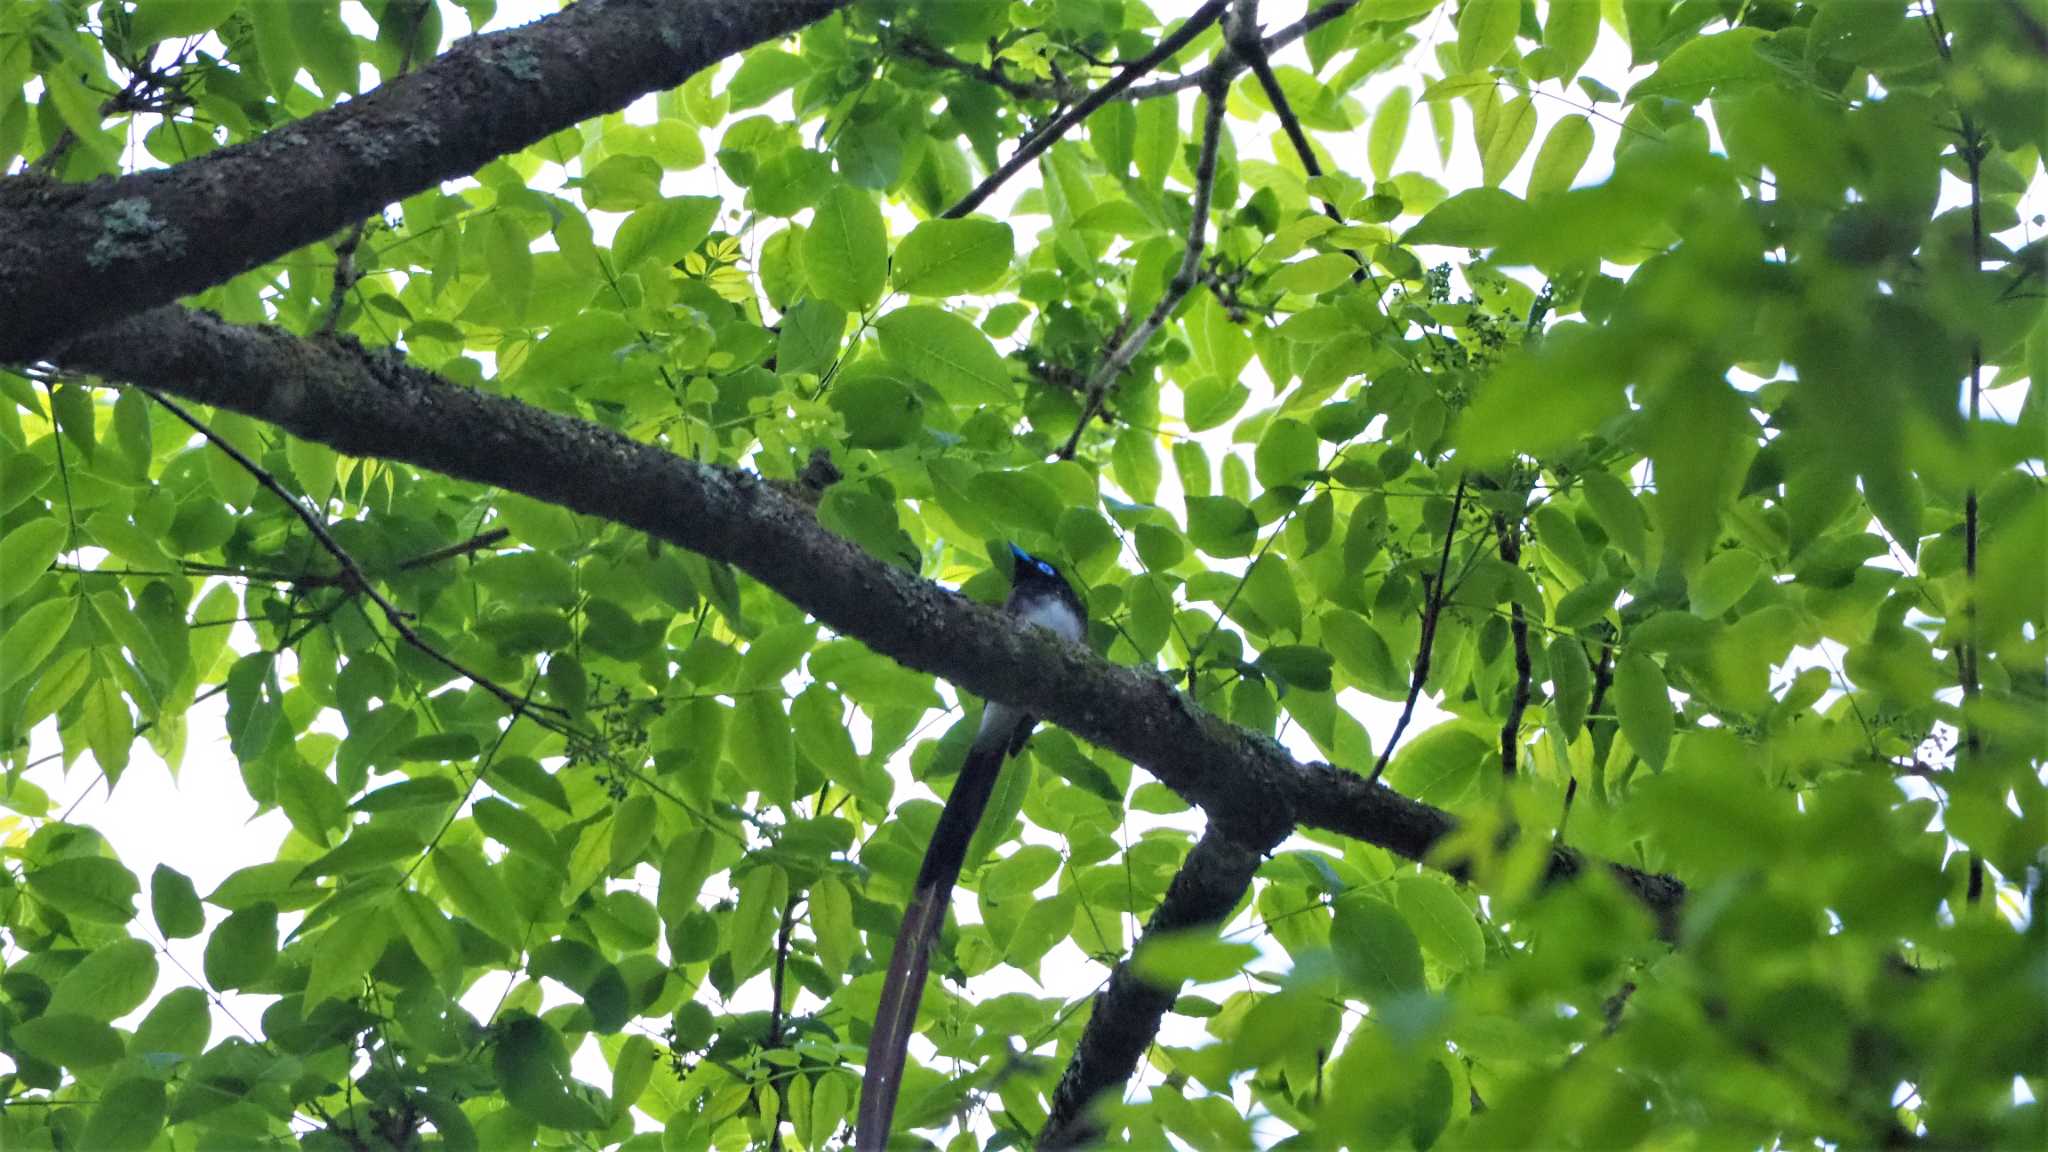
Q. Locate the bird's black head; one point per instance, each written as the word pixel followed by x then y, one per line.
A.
pixel 1030 569
pixel 1033 580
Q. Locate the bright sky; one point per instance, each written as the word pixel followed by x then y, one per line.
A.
pixel 201 821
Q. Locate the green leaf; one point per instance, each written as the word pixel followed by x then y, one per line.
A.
pixel 1288 452
pixel 813 332
pixel 154 20
pixel 30 550
pixel 179 1024
pixel 1701 439
pixel 632 828
pixel 1389 131
pixel 664 231
pixel 1210 401
pixel 476 892
pixel 1316 274
pixel 1723 581
pixel 1022 499
pixel 1474 218
pixel 1724 62
pixel 128 1117
pixel 1571 678
pixel 326 45
pixel 175 904
pixel 87 887
pixel 763 892
pixel 347 948
pixel 1504 135
pixel 109 983
pixel 1442 922
pixel 242 948
pixel 532 1068
pixel 1363 654
pixel 1570 28
pixel 880 411
pixel 31 637
pixel 1166 960
pixel 943 350
pixel 1642 701
pixel 1376 952
pixel 763 749
pixel 70 1040
pixel 1301 665
pixel 944 257
pixel 432 937
pixel 1222 527
pixel 368 846
pixel 831 917
pixel 763 74
pixel 1486 30
pixel 1442 765
pixel 846 249
pixel 1563 153
pixel 516 829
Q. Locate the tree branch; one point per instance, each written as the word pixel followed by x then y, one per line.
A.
pixel 1127 1012
pixel 1432 609
pixel 1269 45
pixel 1215 86
pixel 352 579
pixel 373 403
pixel 76 256
pixel 1518 628
pixel 1028 150
pixel 937 57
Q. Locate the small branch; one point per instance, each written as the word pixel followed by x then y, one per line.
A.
pixel 1518 627
pixel 476 543
pixel 1269 45
pixel 1045 137
pixel 352 578
pixel 1126 1014
pixel 1432 609
pixel 1215 85
pixel 937 57
pixel 344 276
pixel 775 1014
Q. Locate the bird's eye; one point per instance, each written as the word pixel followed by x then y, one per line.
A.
pixel 1046 568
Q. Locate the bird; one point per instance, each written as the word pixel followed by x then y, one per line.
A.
pixel 1038 595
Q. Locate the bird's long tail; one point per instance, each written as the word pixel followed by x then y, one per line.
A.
pixel 896 1018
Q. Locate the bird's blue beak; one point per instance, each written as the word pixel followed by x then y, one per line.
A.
pixel 1021 556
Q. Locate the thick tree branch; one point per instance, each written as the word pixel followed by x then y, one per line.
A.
pixel 1126 1014
pixel 77 256
pixel 1044 138
pixel 373 403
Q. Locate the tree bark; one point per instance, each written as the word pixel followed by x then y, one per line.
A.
pixel 76 256
pixel 373 403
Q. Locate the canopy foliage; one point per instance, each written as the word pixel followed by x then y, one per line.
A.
pixel 1564 474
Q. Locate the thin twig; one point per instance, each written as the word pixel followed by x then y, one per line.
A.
pixel 476 543
pixel 1044 138
pixel 937 57
pixel 774 1041
pixel 344 276
pixel 1432 610
pixel 1518 627
pixel 353 580
pixel 1215 86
